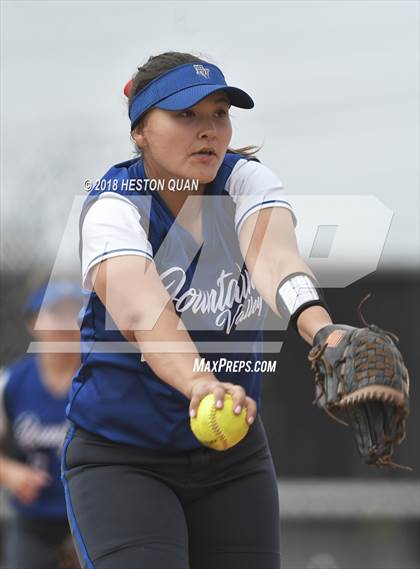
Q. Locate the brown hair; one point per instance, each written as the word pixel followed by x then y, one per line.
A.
pixel 158 64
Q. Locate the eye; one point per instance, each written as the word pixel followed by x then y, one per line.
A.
pixel 222 113
pixel 186 114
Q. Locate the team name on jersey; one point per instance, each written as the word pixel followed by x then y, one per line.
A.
pixel 30 433
pixel 218 301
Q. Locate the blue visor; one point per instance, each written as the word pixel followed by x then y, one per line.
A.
pixel 183 87
pixel 50 294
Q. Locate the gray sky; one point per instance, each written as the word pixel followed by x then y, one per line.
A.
pixel 335 85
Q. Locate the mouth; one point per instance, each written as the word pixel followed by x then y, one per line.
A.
pixel 205 152
pixel 205 156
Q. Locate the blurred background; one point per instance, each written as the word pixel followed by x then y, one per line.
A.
pixel 336 87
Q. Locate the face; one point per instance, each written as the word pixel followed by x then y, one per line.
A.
pixel 170 140
pixel 58 322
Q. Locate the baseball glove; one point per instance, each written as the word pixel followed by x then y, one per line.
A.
pixel 361 371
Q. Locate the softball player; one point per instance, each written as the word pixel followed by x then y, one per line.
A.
pixel 33 397
pixel 167 271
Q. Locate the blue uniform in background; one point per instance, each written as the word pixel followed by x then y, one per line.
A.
pixel 33 425
pixel 37 424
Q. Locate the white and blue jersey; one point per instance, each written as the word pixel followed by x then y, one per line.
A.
pixel 35 420
pixel 115 393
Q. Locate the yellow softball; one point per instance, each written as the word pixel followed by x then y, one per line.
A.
pixel 219 429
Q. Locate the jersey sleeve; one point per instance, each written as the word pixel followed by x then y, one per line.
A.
pixel 253 187
pixel 4 421
pixel 111 228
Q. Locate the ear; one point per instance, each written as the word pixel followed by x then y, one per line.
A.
pixel 138 136
pixel 30 324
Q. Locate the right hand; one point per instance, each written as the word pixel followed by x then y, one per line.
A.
pixel 25 482
pixel 202 387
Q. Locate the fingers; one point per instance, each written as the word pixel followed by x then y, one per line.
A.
pixel 219 396
pixel 27 494
pixel 251 410
pixel 201 389
pixel 239 397
pixel 39 478
pixel 240 400
pixel 31 484
pixel 194 403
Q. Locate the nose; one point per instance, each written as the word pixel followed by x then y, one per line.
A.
pixel 207 128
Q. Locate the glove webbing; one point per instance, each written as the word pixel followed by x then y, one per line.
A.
pixel 373 361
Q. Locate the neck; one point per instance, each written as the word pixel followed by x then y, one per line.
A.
pixel 57 370
pixel 176 199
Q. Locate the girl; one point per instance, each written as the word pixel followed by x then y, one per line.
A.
pixel 33 397
pixel 174 281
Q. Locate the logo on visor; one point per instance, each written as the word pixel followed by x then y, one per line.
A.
pixel 201 70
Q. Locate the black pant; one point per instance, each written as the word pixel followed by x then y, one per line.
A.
pixel 134 508
pixel 31 543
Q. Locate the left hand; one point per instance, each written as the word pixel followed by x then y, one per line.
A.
pixel 362 371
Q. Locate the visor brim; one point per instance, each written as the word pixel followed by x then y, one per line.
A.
pixel 192 95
